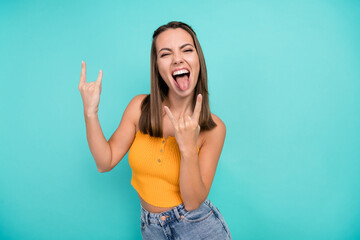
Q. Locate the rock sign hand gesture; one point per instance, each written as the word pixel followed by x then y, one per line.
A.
pixel 90 92
pixel 187 128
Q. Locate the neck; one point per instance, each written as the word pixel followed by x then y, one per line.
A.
pixel 179 106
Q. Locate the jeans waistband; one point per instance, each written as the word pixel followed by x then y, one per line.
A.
pixel 162 218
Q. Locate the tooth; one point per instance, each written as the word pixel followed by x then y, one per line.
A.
pixel 180 72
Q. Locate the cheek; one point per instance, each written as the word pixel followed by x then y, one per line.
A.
pixel 196 65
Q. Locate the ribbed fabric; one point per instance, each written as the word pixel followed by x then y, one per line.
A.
pixel 155 164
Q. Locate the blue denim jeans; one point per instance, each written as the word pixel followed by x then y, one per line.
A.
pixel 205 222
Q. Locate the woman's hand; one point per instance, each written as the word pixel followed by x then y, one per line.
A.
pixel 187 128
pixel 90 92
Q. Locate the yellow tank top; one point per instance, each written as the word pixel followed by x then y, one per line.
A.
pixel 155 164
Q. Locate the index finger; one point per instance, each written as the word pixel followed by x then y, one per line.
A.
pixel 83 73
pixel 197 108
pixel 171 117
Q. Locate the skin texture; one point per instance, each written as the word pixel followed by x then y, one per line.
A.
pixel 175 49
pixel 90 92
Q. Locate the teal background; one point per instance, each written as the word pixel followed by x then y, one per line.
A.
pixel 284 76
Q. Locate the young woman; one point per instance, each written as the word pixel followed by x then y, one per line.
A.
pixel 173 139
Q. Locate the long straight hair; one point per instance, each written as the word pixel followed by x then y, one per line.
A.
pixel 151 108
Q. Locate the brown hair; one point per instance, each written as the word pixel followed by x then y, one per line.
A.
pixel 151 109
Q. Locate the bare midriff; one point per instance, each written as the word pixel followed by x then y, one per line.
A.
pixel 152 208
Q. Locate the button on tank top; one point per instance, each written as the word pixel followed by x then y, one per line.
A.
pixel 155 164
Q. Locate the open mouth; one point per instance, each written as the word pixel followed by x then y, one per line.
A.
pixel 182 79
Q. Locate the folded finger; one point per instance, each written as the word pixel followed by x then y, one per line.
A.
pixel 170 115
pixel 181 122
pixel 187 120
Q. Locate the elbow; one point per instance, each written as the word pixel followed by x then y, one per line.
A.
pixel 191 206
pixel 100 170
pixel 103 170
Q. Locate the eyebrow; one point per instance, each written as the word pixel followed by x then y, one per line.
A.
pixel 182 46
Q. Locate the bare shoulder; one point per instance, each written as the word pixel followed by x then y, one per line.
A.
pixel 137 100
pixel 219 131
pixel 135 104
pixel 220 124
pixel 133 110
pixel 217 134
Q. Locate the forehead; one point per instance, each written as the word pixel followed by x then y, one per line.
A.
pixel 172 38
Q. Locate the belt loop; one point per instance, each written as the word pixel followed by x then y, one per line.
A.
pixel 177 214
pixel 147 217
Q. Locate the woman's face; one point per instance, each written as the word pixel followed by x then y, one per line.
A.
pixel 177 61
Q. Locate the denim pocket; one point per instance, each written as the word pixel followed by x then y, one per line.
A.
pixel 199 214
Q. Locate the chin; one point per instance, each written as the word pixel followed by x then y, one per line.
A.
pixel 186 93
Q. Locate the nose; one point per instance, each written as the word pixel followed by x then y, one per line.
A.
pixel 177 58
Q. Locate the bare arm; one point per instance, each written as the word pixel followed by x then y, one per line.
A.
pixel 99 147
pixel 90 93
pixel 197 170
pixel 106 153
pixel 120 142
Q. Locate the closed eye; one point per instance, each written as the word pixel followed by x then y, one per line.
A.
pixel 164 54
pixel 188 50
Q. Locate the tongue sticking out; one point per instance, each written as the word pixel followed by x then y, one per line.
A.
pixel 182 81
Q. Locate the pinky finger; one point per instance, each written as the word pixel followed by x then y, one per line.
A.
pixel 99 79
